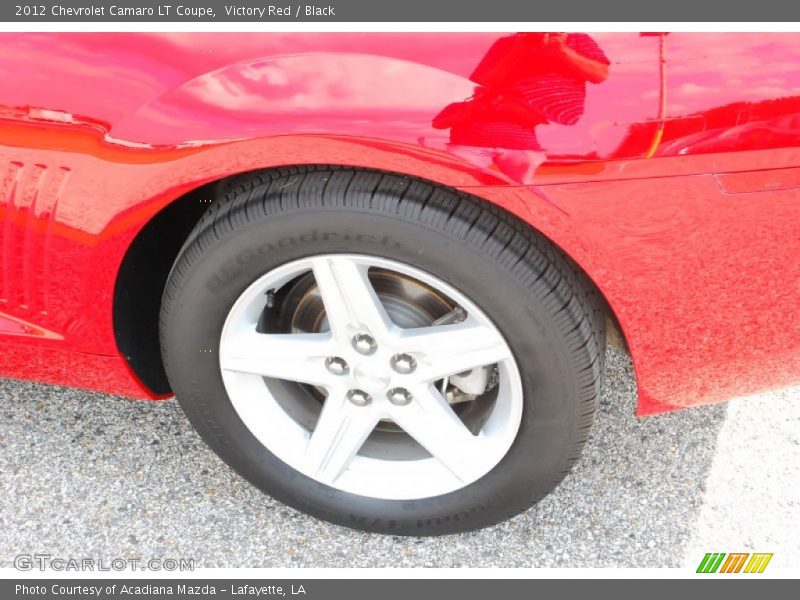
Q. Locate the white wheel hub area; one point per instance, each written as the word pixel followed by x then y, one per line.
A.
pixel 371 374
pixel 371 371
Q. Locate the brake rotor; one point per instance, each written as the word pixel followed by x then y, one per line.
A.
pixel 408 302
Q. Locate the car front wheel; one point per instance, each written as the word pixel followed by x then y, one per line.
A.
pixel 380 352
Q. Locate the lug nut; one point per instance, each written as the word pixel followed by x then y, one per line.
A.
pixel 404 363
pixel 359 397
pixel 399 396
pixel 364 343
pixel 336 365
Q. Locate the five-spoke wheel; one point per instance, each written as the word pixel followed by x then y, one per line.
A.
pixel 381 352
pixel 367 370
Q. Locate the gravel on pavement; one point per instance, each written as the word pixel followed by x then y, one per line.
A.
pixel 89 475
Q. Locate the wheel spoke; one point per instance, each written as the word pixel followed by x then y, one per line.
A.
pixel 445 350
pixel 436 427
pixel 340 432
pixel 292 356
pixel 351 304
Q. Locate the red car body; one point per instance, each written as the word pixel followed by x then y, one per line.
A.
pixel 674 185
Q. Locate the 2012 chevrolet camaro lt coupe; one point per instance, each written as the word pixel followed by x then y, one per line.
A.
pixel 378 270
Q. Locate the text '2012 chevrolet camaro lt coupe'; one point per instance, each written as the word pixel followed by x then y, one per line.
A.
pixel 378 270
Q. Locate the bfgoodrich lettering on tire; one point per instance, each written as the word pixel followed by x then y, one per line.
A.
pixel 380 352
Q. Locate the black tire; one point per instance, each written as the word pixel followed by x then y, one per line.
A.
pixel 536 297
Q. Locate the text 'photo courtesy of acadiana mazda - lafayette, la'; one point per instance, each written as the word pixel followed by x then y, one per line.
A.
pixel 378 270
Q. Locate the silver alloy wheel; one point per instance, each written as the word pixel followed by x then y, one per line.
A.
pixel 371 371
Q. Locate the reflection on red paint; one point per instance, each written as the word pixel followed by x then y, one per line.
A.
pixel 524 82
pixel 664 164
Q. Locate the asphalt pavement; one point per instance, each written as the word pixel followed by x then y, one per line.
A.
pixel 90 475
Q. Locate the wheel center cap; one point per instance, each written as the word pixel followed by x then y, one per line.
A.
pixel 371 376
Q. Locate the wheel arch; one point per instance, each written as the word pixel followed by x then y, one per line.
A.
pixel 147 262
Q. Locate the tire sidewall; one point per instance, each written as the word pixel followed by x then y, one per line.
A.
pixel 209 283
